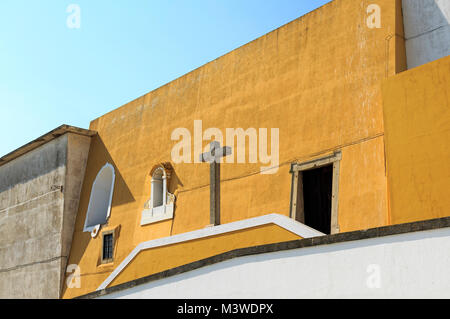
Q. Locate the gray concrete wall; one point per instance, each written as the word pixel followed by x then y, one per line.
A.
pixel 77 156
pixel 37 217
pixel 427 30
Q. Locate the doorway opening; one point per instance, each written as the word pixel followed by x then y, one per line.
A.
pixel 317 196
pixel 314 193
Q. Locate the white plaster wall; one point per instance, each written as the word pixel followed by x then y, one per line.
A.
pixel 427 30
pixel 414 265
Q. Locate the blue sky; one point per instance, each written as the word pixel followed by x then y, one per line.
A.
pixel 52 75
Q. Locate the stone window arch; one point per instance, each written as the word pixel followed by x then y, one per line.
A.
pixel 99 208
pixel 160 207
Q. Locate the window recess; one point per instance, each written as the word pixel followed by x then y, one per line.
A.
pixel 314 193
pixel 108 247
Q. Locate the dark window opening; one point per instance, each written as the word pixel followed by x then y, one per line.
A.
pixel 108 240
pixel 317 197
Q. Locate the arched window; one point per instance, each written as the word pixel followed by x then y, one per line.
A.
pixel 99 207
pixel 159 188
pixel 161 204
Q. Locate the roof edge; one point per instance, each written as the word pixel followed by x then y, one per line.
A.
pixel 53 134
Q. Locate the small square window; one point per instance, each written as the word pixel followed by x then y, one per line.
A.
pixel 108 247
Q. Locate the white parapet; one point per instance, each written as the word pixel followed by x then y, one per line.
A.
pixel 408 265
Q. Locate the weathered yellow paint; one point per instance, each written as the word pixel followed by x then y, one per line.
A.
pixel 361 192
pixel 155 260
pixel 417 117
pixel 317 79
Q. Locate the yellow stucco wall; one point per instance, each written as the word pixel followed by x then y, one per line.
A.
pixel 417 117
pixel 155 260
pixel 317 79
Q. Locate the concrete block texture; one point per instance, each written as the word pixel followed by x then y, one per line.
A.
pixel 31 282
pixel 77 156
pixel 39 194
pixel 427 30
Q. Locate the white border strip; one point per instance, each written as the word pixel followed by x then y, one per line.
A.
pixel 280 220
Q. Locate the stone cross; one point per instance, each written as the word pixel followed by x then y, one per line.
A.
pixel 214 157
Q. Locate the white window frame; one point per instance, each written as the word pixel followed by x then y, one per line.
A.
pixel 152 214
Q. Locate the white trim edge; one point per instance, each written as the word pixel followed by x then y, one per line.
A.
pixel 279 220
pixel 149 216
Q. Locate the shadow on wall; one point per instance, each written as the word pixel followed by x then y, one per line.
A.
pixel 175 183
pixel 30 166
pixel 422 16
pixel 98 157
pixel 427 30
